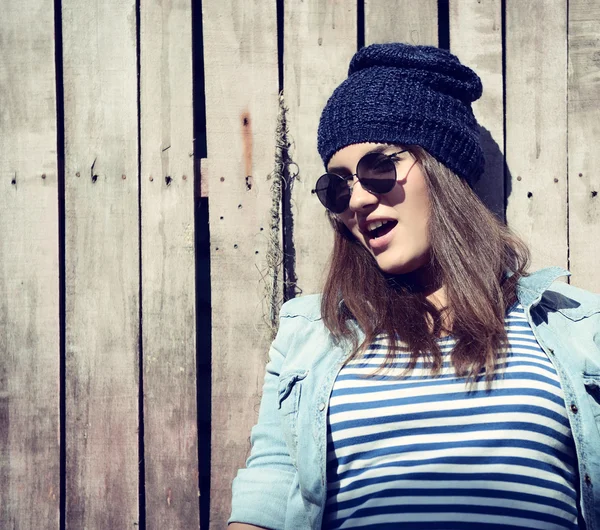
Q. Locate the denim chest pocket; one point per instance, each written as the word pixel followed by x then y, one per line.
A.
pixel 289 391
pixel 592 386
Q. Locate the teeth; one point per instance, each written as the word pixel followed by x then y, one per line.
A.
pixel 375 225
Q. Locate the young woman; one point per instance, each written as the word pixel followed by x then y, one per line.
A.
pixel 435 383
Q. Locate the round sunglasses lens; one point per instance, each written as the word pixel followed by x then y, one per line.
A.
pixel 333 192
pixel 377 173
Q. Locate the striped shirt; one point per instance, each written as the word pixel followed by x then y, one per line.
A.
pixel 423 452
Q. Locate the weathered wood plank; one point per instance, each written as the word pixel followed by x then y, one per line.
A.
pixel 168 283
pixel 401 21
pixel 102 263
pixel 29 312
pixel 240 54
pixel 536 127
pixel 583 139
pixel 476 38
pixel 320 39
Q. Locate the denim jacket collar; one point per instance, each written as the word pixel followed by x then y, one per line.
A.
pixel 531 288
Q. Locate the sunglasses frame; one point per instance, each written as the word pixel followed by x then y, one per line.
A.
pixel 351 187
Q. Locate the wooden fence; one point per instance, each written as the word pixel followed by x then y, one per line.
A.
pixel 154 187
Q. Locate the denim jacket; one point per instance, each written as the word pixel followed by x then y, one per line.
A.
pixel 284 485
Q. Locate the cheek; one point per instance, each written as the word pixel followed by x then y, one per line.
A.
pixel 349 222
pixel 417 212
pixel 417 231
pixel 352 225
pixel 421 222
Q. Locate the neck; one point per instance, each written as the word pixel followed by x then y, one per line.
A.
pixel 424 280
pixel 438 297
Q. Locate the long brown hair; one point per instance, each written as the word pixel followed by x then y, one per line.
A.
pixel 474 255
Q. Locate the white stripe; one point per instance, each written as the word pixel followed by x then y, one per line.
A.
pixel 477 501
pixel 433 454
pixel 452 421
pixel 370 382
pixel 458 470
pixel 512 434
pixel 456 485
pixel 452 516
pixel 423 391
pixel 449 405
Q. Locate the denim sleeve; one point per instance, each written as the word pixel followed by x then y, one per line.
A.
pixel 261 491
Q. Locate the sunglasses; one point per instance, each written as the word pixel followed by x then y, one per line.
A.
pixel 376 173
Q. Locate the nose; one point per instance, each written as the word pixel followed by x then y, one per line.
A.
pixel 361 199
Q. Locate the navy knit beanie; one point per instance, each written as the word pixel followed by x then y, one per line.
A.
pixel 409 95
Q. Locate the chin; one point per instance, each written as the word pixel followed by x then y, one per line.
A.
pixel 398 267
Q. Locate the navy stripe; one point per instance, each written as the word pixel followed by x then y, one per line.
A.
pixel 512 363
pixel 461 508
pixel 411 400
pixel 432 446
pixel 466 492
pixel 446 525
pixel 461 461
pixel 451 413
pixel 401 361
pixel 456 476
pixel 449 429
pixel 511 376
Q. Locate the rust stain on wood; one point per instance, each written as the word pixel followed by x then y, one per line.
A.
pixel 247 146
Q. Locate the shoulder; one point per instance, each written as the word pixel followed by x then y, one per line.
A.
pixel 307 307
pixel 302 338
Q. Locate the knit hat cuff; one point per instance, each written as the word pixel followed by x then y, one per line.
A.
pixel 455 151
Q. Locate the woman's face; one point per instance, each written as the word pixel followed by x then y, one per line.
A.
pixel 401 245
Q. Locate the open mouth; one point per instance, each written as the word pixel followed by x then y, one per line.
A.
pixel 380 228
